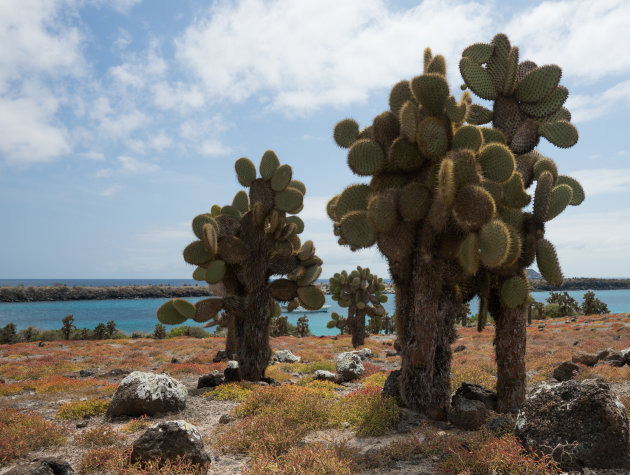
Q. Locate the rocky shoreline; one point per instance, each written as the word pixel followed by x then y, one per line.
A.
pixel 64 292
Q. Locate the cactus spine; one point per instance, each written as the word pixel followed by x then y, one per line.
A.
pixel 362 293
pixel 238 248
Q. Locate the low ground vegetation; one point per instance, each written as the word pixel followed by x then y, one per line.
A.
pixel 302 426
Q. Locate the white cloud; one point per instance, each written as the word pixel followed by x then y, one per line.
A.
pixel 603 180
pixel 589 107
pixel 28 131
pixel 589 241
pixel 315 208
pixel 308 54
pixel 93 155
pixel 588 39
pixel 213 148
pixel 179 232
pixel 124 39
pixel 128 166
pixel 111 190
pixel 121 6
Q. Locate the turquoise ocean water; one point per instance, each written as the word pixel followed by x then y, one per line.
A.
pixel 139 314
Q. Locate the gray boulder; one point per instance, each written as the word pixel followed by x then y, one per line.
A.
pixel 349 366
pixel 613 358
pixel 147 393
pixel 46 466
pixel 582 357
pixel 566 371
pixel 579 423
pixel 167 441
pixel 626 355
pixel 211 380
pixel 471 405
pixel 324 375
pixel 285 356
pixel 364 353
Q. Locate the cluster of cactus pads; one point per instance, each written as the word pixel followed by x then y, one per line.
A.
pixel 239 247
pixel 446 196
pixel 362 293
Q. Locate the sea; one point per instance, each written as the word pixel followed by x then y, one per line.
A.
pixel 139 315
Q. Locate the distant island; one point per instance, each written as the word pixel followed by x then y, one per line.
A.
pixel 62 292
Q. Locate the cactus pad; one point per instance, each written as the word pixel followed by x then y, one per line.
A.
pixel 542 197
pixel 353 198
pixel 538 83
pixel 477 78
pixel 356 229
pixel 268 164
pixel 560 133
pixel 311 297
pixel 215 271
pixel 547 261
pixel 468 253
pixel 346 132
pixel 207 309
pixel 245 171
pixel 404 155
pixel 514 291
pixel 288 200
pixel 431 91
pixel 400 94
pixel 467 137
pixel 382 211
pixel 560 198
pixel 241 202
pixel 578 192
pixel 432 137
pixel 196 253
pixel 366 157
pixel 494 244
pixel 169 315
pixel 413 201
pixel 497 162
pixel 299 224
pixel 479 52
pixel 281 178
pixel 473 208
pixel 479 115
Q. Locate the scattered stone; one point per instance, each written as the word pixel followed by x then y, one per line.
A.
pixel 364 353
pixel 334 338
pixel 232 372
pixel 324 375
pixel 174 360
pixel 117 372
pixel 147 393
pixel 614 358
pixel 261 383
pixel 349 366
pixel 220 356
pixel 83 424
pixel 285 356
pixel 576 342
pixel 225 419
pixel 391 388
pixel 41 344
pixel 211 380
pixel 501 425
pixel 626 355
pixel 390 353
pixel 403 426
pixel 167 441
pixel 459 348
pixel 84 373
pixel 46 466
pixel 2 381
pixel 574 319
pixel 471 405
pixel 579 423
pixel 467 414
pixel 588 359
pixel 566 371
pixel 270 381
pixel 475 392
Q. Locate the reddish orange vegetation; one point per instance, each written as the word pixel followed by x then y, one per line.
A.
pixel 41 375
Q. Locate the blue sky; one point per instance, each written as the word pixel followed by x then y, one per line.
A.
pixel 120 120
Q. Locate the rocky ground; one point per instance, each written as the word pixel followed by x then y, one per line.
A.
pixel 28 373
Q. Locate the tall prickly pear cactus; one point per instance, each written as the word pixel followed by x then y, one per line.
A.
pixel 444 205
pixel 239 247
pixel 362 293
pixel 527 104
pixel 425 187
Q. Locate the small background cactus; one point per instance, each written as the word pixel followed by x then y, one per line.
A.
pixel 362 293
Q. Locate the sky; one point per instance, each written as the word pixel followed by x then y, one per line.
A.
pixel 120 120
